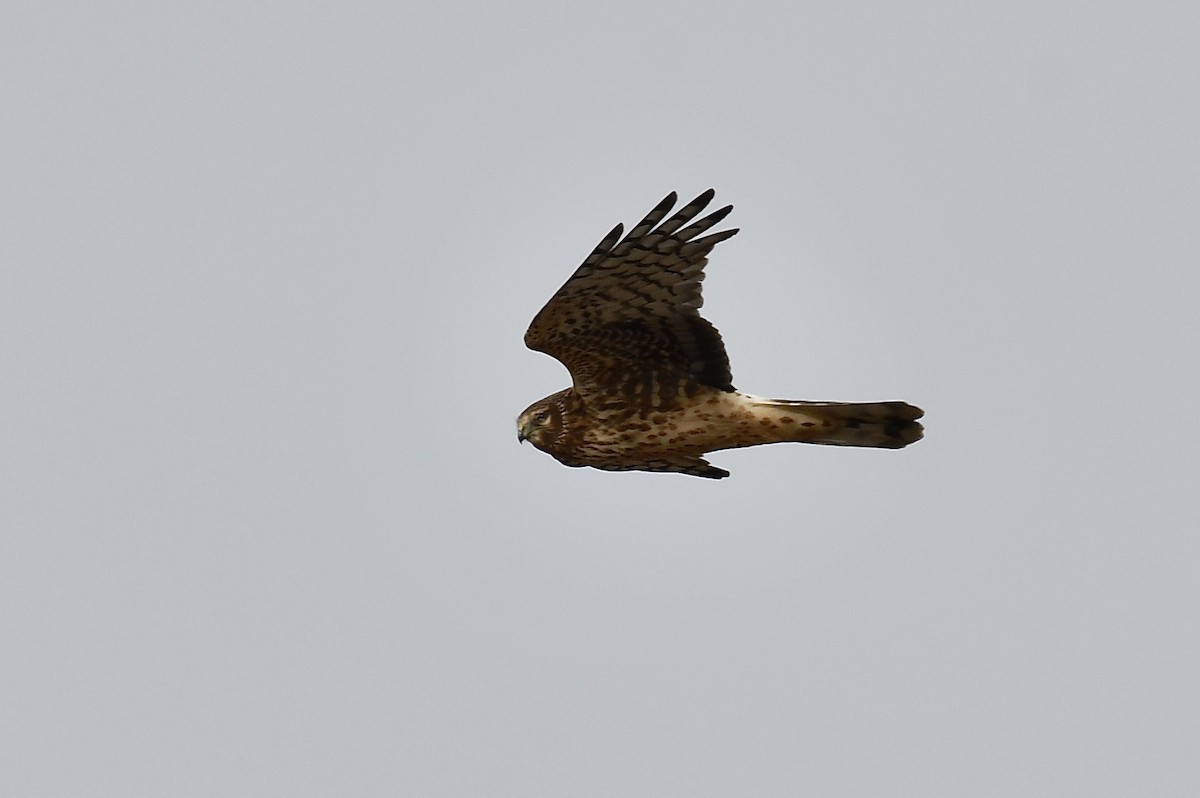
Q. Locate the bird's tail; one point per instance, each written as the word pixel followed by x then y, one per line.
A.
pixel 885 425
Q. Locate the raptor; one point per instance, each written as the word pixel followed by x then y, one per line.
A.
pixel 652 389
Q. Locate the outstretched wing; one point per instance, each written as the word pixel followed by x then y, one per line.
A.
pixel 627 323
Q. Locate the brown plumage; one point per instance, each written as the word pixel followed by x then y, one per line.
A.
pixel 652 386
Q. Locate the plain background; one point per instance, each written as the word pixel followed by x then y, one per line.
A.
pixel 266 527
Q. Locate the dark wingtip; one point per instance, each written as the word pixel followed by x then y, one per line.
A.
pixel 707 471
pixel 719 214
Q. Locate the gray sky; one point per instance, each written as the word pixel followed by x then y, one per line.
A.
pixel 267 530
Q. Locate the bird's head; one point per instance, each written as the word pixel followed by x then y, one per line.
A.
pixel 542 422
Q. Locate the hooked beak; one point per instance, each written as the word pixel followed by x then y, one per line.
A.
pixel 521 436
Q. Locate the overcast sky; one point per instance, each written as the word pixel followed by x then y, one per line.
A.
pixel 266 526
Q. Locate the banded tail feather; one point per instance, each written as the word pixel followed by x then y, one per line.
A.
pixel 882 425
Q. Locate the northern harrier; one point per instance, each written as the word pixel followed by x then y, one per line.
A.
pixel 652 387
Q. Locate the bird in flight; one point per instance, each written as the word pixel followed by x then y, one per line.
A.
pixel 652 389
